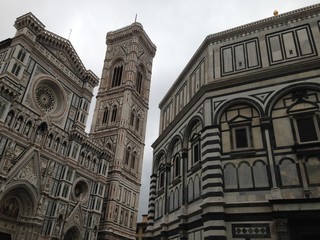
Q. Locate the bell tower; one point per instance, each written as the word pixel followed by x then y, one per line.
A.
pixel 119 124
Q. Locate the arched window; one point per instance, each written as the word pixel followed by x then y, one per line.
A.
pixel 260 174
pixel 114 113
pixel 245 176
pixel 105 116
pixel 313 169
pixel 139 82
pixel 117 75
pixel 288 172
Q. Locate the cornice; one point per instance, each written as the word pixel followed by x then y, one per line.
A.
pixel 243 31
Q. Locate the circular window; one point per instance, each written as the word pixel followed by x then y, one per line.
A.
pixel 49 97
pixel 45 98
pixel 81 190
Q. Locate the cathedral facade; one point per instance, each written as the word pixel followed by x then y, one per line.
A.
pixel 56 180
pixel 238 155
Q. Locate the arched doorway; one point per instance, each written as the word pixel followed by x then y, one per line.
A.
pixel 72 234
pixel 16 204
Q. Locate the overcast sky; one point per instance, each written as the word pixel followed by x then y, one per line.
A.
pixel 176 27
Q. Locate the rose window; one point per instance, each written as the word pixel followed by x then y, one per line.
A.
pixel 45 98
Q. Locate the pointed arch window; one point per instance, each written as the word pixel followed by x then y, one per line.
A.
pixel 133 160
pixel 117 75
pixel 132 117
pixel 138 123
pixel 127 158
pixel 21 55
pixel 114 113
pixel 105 116
pixel 139 79
pixel 15 69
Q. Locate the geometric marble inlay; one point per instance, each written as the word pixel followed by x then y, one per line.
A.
pixel 251 230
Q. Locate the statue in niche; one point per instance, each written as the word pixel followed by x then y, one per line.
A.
pixel 18 124
pixel 27 129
